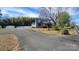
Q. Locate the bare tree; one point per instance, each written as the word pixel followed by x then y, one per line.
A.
pixel 51 13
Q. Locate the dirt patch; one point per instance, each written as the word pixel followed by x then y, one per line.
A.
pixel 46 31
pixel 53 32
pixel 9 42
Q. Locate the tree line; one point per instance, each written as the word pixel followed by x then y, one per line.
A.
pixel 16 21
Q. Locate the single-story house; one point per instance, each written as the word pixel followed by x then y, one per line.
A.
pixel 42 22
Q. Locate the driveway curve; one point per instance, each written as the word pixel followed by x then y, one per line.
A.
pixel 36 41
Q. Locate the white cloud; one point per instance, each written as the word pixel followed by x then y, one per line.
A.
pixel 33 15
pixel 19 12
pixel 72 11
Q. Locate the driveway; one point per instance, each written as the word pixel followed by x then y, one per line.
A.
pixel 35 41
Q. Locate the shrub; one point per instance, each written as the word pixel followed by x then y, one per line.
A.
pixel 56 28
pixel 65 32
pixel 3 26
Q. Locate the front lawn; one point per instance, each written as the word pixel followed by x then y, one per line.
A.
pixel 9 42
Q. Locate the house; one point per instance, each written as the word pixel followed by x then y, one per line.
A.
pixel 42 22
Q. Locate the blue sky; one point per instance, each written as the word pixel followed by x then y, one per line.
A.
pixel 19 11
pixel 33 12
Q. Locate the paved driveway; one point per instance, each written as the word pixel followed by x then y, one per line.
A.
pixel 35 41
